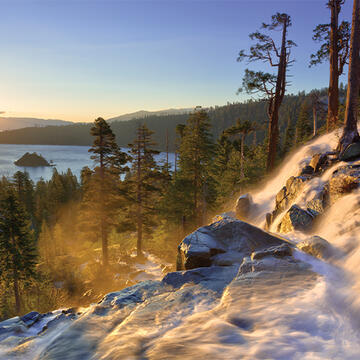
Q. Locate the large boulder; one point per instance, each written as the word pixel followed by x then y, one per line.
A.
pixel 224 242
pixel 297 218
pixel 352 152
pixel 290 192
pixel 243 206
pixel 343 181
pixel 319 201
pixel 317 247
pixel 319 162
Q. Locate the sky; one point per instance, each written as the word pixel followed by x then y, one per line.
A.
pixel 79 59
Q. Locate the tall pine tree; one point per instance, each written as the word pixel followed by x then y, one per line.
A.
pixel 144 182
pixel 17 250
pixel 195 162
pixel 100 199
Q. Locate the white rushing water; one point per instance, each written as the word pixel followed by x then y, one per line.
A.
pixel 310 316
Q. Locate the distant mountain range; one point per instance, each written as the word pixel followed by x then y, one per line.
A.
pixel 143 114
pixel 13 123
pixel 164 124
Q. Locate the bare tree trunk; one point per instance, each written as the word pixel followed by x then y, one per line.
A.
pixel 175 163
pixel 15 279
pixel 139 203
pixel 17 294
pixel 314 119
pixel 103 230
pixel 242 156
pixel 167 149
pixel 333 93
pixel 273 139
pixel 350 132
pixel 274 109
pixel 204 204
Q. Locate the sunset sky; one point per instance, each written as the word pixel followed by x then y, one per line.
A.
pixel 79 59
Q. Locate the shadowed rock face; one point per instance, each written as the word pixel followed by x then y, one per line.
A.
pixel 351 152
pixel 297 219
pixel 224 242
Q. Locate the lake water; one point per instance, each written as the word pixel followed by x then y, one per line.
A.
pixel 64 157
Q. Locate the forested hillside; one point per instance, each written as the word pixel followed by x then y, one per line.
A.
pixel 221 117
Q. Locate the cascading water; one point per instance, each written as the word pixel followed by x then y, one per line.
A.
pixel 310 315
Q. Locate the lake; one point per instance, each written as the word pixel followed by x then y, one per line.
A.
pixel 64 157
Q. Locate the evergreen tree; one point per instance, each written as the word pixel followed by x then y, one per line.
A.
pixel 195 162
pixel 17 252
pixel 272 86
pixel 289 138
pixel 243 128
pixel 303 126
pixel 101 197
pixel 24 187
pixel 335 39
pixel 144 182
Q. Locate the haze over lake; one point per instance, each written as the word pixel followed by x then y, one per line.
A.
pixel 64 157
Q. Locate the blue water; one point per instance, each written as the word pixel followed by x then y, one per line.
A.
pixel 64 157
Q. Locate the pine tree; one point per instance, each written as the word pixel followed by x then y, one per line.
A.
pixel 144 182
pixel 17 251
pixel 303 126
pixel 195 161
pixel 101 197
pixel 289 138
pixel 335 39
pixel 272 86
pixel 243 128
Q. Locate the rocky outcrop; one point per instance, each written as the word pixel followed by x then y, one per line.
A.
pixel 343 181
pixel 214 277
pixel 317 247
pixel 319 162
pixel 278 251
pixel 272 264
pixel 224 243
pixel 243 206
pixel 352 152
pixel 319 202
pixel 32 160
pixel 297 219
pixel 228 214
pixel 289 192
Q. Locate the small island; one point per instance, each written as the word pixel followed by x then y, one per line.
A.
pixel 32 160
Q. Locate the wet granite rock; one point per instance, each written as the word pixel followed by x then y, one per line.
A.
pixel 289 193
pixel 319 162
pixel 243 206
pixel 279 251
pixel 352 152
pixel 297 218
pixel 317 247
pixel 224 242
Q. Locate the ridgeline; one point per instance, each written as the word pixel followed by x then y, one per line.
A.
pixel 221 118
